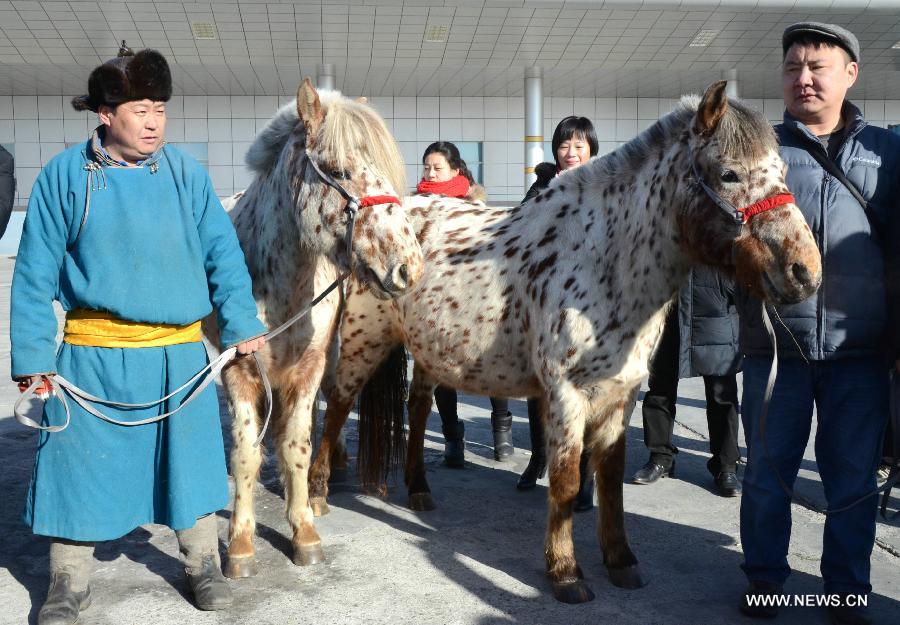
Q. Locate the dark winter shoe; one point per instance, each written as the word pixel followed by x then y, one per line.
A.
pixel 63 606
pixel 848 615
pixel 651 472
pixel 754 603
pixel 455 447
pixel 727 484
pixel 503 445
pixel 210 588
pixel 537 467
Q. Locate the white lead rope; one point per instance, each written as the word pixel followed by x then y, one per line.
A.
pixel 60 386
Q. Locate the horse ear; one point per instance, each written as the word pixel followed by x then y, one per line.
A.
pixel 362 99
pixel 309 107
pixel 712 108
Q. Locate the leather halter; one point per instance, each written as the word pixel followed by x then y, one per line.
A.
pixel 353 203
pixel 741 215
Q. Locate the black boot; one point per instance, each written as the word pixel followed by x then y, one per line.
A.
pixel 502 426
pixel 455 446
pixel 584 501
pixel 537 465
pixel 63 606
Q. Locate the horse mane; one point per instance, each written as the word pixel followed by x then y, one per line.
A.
pixel 353 132
pixel 742 132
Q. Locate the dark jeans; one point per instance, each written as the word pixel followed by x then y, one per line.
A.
pixel 851 401
pixel 659 408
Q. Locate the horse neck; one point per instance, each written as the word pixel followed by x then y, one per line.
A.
pixel 625 226
pixel 275 242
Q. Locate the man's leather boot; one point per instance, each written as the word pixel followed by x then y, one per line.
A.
pixel 70 572
pixel 63 605
pixel 199 547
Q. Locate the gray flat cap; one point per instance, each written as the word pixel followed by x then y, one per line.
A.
pixel 839 35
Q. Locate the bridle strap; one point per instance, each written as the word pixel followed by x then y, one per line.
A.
pixel 353 204
pixel 740 215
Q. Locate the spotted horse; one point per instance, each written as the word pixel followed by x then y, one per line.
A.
pixel 292 223
pixel 564 298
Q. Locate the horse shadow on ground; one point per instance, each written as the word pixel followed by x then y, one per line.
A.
pixel 693 573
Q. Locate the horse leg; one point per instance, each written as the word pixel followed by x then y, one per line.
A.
pixel 420 394
pixel 564 444
pixel 335 417
pixel 356 362
pixel 337 445
pixel 608 458
pixel 244 389
pixel 294 445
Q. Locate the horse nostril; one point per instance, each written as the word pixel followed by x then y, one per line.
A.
pixel 801 273
pixel 403 275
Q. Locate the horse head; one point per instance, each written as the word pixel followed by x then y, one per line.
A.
pixel 741 215
pixel 343 153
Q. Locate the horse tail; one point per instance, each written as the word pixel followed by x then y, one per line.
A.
pixel 382 440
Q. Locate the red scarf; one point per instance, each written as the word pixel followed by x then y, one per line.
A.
pixel 457 186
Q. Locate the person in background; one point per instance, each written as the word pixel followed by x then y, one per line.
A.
pixel 7 187
pixel 128 235
pixel 700 337
pixel 833 348
pixel 574 143
pixel 444 172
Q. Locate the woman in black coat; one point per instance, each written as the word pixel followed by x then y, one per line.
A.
pixel 700 338
pixel 574 143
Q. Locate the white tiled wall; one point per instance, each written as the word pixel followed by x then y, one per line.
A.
pixel 40 126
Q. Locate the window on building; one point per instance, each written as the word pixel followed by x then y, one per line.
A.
pixel 471 152
pixel 200 151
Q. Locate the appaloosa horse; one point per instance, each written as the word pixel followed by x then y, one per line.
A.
pixel 564 298
pixel 292 225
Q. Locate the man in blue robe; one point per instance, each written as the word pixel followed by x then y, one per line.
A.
pixel 128 235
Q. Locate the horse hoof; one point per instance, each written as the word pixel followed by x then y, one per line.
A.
pixel 421 502
pixel 307 555
pixel 319 506
pixel 238 567
pixel 572 592
pixel 337 475
pixel 628 577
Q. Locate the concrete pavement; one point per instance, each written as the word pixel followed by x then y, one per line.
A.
pixel 477 559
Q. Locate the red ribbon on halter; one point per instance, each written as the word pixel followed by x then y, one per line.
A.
pixel 765 205
pixel 375 200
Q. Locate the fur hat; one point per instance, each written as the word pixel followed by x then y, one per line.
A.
pixel 128 77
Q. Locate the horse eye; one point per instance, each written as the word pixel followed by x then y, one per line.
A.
pixel 729 175
pixel 340 174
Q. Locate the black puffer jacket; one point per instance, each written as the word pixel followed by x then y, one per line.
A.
pixel 7 187
pixel 545 172
pixel 849 315
pixel 708 325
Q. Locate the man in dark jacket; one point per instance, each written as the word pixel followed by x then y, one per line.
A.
pixel 7 187
pixel 700 338
pixel 834 347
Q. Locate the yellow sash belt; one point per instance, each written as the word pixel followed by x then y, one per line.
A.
pixel 99 329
